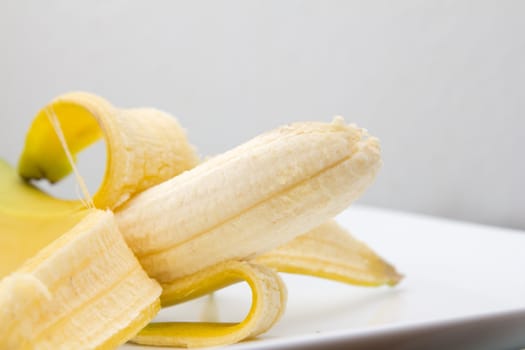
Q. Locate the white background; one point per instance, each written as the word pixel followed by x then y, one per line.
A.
pixel 441 83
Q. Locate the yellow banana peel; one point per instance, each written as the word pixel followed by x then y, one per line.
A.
pixel 30 219
pixel 144 146
pixel 195 228
pixel 329 251
pixel 268 304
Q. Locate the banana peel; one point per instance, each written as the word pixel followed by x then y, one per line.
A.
pixel 30 219
pixel 268 304
pixel 146 148
pixel 85 290
pixel 331 252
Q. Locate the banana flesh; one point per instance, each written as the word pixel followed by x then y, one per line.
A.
pixel 209 227
pixel 66 297
pixel 249 200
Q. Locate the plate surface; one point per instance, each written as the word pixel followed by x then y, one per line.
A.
pixel 464 288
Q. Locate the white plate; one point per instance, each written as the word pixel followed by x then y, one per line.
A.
pixel 464 288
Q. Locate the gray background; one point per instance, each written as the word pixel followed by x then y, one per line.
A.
pixel 441 83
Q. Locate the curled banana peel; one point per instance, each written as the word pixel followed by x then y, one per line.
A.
pixel 268 304
pixel 240 216
pixel 144 146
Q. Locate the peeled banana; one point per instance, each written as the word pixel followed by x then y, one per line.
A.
pixel 249 200
pixel 261 207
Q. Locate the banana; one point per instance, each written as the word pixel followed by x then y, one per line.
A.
pixel 86 290
pixel 187 334
pixel 249 200
pixel 241 216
